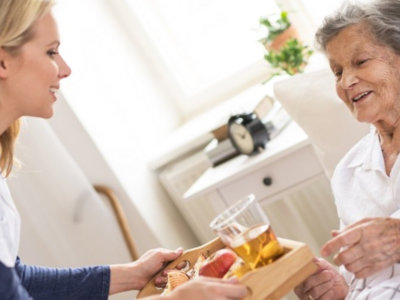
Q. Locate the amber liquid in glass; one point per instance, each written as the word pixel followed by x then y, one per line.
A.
pixel 257 246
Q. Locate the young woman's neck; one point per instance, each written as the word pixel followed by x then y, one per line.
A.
pixel 6 118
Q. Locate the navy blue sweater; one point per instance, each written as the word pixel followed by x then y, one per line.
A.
pixel 31 282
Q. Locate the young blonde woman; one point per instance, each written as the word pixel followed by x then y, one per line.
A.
pixel 31 69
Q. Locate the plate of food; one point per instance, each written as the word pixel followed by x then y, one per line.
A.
pixel 214 259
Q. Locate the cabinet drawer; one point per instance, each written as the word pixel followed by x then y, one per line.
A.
pixel 275 177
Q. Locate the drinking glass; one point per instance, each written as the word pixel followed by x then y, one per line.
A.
pixel 245 228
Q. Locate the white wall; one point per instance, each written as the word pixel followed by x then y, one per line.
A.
pixel 104 81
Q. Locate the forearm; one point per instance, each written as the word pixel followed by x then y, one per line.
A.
pixel 125 277
pixel 120 279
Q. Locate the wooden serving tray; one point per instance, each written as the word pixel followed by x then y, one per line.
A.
pixel 271 282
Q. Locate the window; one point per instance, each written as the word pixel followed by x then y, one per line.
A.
pixel 205 42
pixel 317 10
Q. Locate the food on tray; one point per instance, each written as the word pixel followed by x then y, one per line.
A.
pixel 161 280
pixel 176 278
pixel 224 263
pixel 219 264
pixel 273 281
pixel 238 269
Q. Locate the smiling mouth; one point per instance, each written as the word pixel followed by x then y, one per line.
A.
pixel 361 96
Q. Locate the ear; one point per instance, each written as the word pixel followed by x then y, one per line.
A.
pixel 3 63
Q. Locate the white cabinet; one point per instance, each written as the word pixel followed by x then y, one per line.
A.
pixel 288 163
pixel 270 180
pixel 200 191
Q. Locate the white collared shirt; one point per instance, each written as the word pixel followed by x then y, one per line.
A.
pixel 10 224
pixel 362 189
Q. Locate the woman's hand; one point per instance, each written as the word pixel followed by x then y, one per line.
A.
pixel 366 247
pixel 135 275
pixel 153 261
pixel 208 288
pixel 325 284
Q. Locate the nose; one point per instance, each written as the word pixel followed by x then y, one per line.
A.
pixel 64 70
pixel 348 79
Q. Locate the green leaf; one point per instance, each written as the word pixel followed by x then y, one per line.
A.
pixel 275 26
pixel 291 58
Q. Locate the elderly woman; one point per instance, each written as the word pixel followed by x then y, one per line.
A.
pixel 362 44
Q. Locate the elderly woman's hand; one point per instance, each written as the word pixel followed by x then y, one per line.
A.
pixel 366 247
pixel 325 284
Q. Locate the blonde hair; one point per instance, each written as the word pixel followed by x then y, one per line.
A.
pixel 16 21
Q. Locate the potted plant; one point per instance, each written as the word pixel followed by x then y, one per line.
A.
pixel 278 31
pixel 285 52
pixel 291 58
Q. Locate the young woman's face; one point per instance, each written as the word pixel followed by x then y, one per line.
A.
pixel 34 73
pixel 367 74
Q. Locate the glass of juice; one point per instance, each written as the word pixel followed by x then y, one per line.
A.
pixel 245 228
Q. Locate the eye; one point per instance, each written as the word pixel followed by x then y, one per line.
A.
pixel 362 61
pixel 52 52
pixel 337 73
pixel 336 70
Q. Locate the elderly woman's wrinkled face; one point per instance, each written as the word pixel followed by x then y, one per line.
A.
pixel 367 75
